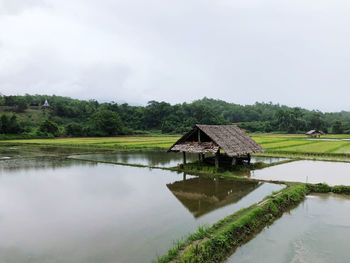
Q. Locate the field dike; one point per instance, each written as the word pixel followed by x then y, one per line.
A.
pixel 215 243
pixel 205 169
pixel 321 156
pixel 325 188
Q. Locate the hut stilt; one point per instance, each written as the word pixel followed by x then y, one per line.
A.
pixel 217 160
pixel 234 161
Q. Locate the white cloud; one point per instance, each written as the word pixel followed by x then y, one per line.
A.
pixel 291 52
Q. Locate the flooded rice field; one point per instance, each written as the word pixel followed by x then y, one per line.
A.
pixel 317 231
pixel 158 159
pixel 54 210
pixel 332 173
pixel 14 152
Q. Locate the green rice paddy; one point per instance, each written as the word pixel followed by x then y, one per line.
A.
pixel 273 143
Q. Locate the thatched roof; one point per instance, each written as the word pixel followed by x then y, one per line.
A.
pixel 315 132
pixel 210 138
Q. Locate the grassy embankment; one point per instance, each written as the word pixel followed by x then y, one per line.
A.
pixel 215 243
pixel 294 146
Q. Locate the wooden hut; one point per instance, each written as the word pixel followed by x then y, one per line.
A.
pixel 202 139
pixel 315 133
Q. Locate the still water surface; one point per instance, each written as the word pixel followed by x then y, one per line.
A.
pixel 54 210
pixel 317 231
pixel 332 173
pixel 159 159
pixel 14 152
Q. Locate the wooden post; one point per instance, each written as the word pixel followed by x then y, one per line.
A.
pixel 184 158
pixel 184 177
pixel 217 160
pixel 249 158
pixel 234 161
pixel 199 140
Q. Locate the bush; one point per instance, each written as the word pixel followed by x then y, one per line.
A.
pixel 48 127
pixel 74 129
pixel 105 122
pixel 9 125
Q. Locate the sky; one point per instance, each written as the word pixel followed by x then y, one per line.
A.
pixel 292 52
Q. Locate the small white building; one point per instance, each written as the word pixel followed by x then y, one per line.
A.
pixel 46 104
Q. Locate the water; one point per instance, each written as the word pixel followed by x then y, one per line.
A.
pixel 332 173
pixel 158 159
pixel 54 210
pixel 151 158
pixel 268 160
pixel 330 140
pixel 326 140
pixel 14 152
pixel 317 231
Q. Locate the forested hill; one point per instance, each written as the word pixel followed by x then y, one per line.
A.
pixel 71 117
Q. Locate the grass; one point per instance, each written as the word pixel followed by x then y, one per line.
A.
pixel 324 188
pixel 224 171
pixel 122 142
pixel 316 147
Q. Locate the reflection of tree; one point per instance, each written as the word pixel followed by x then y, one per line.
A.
pixel 39 163
pixel 203 195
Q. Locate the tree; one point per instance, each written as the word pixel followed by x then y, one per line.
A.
pixel 315 121
pixel 106 122
pixel 21 104
pixel 337 127
pixel 49 127
pixel 9 125
pixel 74 129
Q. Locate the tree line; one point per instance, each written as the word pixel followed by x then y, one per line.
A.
pixel 72 117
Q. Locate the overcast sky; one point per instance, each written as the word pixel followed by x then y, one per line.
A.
pixel 294 52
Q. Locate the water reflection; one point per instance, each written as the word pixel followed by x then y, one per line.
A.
pixel 70 211
pixel 13 166
pixel 34 151
pixel 316 231
pixel 203 195
pixel 332 173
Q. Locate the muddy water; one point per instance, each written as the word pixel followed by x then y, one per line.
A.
pixel 159 159
pixel 69 211
pixel 332 173
pixel 317 231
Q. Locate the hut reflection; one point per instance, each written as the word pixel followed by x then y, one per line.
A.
pixel 203 195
